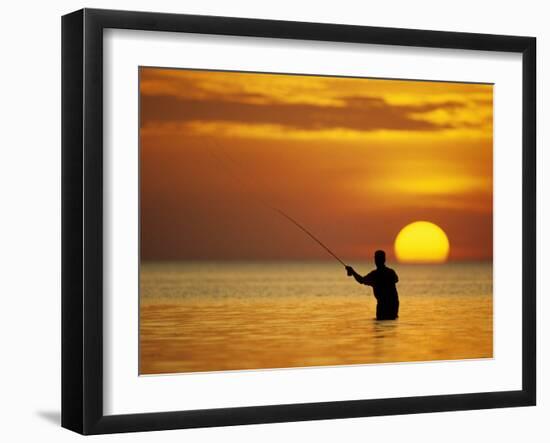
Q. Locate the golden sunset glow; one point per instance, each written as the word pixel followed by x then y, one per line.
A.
pixel 264 198
pixel 422 242
pixel 354 159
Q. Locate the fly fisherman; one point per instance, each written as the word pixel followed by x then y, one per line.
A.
pixel 382 280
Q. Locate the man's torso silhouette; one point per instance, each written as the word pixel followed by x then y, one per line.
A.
pixel 383 280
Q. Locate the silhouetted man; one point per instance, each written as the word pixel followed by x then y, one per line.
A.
pixel 382 280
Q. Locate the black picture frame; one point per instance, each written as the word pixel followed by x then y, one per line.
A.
pixel 82 220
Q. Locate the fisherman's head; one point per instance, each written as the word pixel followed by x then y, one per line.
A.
pixel 379 258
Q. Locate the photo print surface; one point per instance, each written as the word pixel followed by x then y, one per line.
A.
pixel 298 221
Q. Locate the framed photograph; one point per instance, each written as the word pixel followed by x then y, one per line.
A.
pixel 269 221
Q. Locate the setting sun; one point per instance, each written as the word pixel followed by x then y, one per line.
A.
pixel 421 242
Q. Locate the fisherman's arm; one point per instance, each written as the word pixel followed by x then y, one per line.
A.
pixel 359 278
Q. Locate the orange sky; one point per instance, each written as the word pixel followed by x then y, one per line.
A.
pixel 354 160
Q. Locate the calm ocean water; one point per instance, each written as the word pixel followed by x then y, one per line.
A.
pixel 209 316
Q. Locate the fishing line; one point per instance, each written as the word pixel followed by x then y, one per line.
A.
pixel 238 178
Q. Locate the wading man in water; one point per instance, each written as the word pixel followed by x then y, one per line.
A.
pixel 382 280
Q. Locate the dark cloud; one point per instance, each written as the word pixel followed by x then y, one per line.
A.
pixel 359 113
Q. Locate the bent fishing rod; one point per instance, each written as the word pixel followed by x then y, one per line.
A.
pixel 273 208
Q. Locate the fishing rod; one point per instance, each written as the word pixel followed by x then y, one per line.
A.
pixel 279 211
pixel 326 248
